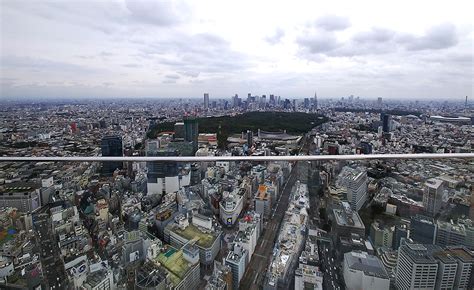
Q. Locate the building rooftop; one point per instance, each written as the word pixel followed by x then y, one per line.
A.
pixel 370 265
pixel 203 239
pixel 173 261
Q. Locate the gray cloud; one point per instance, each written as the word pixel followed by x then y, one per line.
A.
pixel 132 65
pixel 276 37
pixel 319 43
pixel 172 76
pixel 333 22
pixel 161 13
pixel 438 37
pixel 43 65
pixel 195 54
pixel 374 35
pixel 378 41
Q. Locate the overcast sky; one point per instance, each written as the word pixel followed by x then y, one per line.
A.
pixel 124 48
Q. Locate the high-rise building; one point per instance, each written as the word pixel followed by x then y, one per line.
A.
pixel 364 271
pixel 381 235
pixel 416 266
pixel 422 229
pixel 355 180
pixel 249 138
pixel 206 101
pixel 111 146
pixel 465 260
pixel 401 232
pixel 431 267
pixel 237 261
pixel 315 101
pixel 386 122
pixel 179 131
pixel 191 131
pixel 433 195
pixel 450 234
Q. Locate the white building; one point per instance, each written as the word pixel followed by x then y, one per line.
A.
pixel 433 195
pixel 308 277
pixel 355 181
pixel 364 271
pixel 237 261
pixel 414 259
pixel 169 184
pixel 231 205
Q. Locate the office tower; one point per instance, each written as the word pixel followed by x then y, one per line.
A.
pixel 111 146
pixel 450 234
pixel 272 100
pixel 381 235
pixel 386 122
pixel 379 102
pixel 306 103
pixel 355 180
pixel 237 261
pixel 315 101
pixel 364 271
pixel 401 232
pixel 422 229
pixel 465 261
pixel 249 138
pixel 160 174
pixel 433 196
pixel 179 130
pixel 416 266
pixel 206 101
pixel 191 132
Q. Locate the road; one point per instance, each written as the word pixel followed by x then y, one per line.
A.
pixel 255 273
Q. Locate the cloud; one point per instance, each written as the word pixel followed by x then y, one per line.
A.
pixel 374 35
pixel 156 12
pixel 195 54
pixel 332 23
pixel 438 37
pixel 131 65
pixel 191 74
pixel 318 43
pixel 377 41
pixel 276 37
pixel 172 76
pixel 43 65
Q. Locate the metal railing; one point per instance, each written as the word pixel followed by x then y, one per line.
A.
pixel 236 158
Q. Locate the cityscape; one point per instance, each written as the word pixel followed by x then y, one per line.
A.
pixel 185 184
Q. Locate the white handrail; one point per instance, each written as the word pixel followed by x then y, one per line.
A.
pixel 235 158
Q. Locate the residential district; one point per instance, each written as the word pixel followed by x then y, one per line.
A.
pixel 367 224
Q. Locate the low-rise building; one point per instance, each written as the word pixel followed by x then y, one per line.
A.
pixel 364 271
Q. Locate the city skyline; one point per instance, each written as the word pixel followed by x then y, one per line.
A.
pixel 180 50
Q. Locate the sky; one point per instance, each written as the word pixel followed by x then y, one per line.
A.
pixel 144 48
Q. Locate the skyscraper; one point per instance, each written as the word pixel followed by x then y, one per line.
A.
pixel 111 146
pixel 422 229
pixel 191 131
pixel 315 101
pixel 206 101
pixel 355 180
pixel 386 122
pixel 416 267
pixel 433 196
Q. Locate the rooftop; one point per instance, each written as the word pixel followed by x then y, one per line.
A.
pixel 370 265
pixel 203 239
pixel 175 264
